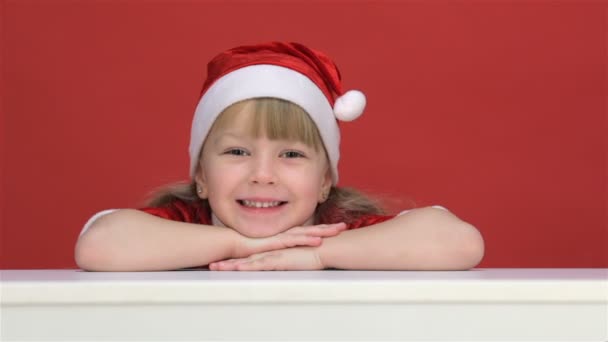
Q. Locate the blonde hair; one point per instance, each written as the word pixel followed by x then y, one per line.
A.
pixel 278 119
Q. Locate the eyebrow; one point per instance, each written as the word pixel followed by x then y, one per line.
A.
pixel 236 136
pixel 227 135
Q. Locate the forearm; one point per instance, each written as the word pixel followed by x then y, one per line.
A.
pixel 131 240
pixel 423 239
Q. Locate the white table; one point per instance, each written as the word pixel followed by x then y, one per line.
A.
pixel 482 304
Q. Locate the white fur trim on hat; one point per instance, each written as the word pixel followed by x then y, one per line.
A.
pixel 265 81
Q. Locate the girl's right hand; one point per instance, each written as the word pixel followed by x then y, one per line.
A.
pixel 296 236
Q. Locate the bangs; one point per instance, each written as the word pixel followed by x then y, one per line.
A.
pixel 275 119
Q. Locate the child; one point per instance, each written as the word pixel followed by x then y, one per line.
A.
pixel 264 153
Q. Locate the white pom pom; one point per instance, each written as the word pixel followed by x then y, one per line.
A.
pixel 350 105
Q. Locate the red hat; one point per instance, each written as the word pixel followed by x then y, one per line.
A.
pixel 289 71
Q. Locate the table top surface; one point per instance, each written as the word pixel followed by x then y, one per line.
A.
pixel 199 275
pixel 23 287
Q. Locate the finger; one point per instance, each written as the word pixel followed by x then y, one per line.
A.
pixel 282 241
pixel 308 230
pixel 248 266
pixel 330 230
pixel 216 266
pixel 226 265
pixel 336 227
pixel 250 258
pixel 265 263
pixel 300 240
pixel 225 268
pixel 311 236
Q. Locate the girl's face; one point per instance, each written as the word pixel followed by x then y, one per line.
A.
pixel 260 186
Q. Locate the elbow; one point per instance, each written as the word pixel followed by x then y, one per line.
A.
pixel 86 253
pixel 89 252
pixel 471 249
pixel 464 244
pixel 447 242
pixel 82 256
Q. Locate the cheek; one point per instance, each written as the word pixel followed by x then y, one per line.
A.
pixel 218 176
pixel 308 186
pixel 217 179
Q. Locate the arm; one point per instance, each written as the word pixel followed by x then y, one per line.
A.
pixel 131 240
pixel 422 239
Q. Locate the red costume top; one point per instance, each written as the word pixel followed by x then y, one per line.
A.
pixel 196 212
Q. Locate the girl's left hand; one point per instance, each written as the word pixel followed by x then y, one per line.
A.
pixel 288 259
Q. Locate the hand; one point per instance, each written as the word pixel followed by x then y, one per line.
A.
pixel 297 236
pixel 293 259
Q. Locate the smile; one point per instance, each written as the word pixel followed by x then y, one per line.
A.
pixel 255 204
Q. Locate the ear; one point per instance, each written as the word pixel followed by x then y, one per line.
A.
pixel 202 189
pixel 325 186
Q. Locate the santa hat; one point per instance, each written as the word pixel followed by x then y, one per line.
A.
pixel 288 71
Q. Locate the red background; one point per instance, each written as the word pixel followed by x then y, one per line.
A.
pixel 495 110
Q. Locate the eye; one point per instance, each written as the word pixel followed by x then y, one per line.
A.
pixel 293 154
pixel 236 152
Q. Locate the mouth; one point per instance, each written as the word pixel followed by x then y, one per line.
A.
pixel 261 204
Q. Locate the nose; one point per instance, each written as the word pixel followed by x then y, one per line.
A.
pixel 263 170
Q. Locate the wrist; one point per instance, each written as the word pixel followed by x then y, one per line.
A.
pixel 235 243
pixel 219 243
pixel 318 259
pixel 326 252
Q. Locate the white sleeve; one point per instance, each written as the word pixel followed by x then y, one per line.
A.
pixel 435 206
pixel 93 218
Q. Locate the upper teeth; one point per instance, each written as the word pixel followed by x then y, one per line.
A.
pixel 261 204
